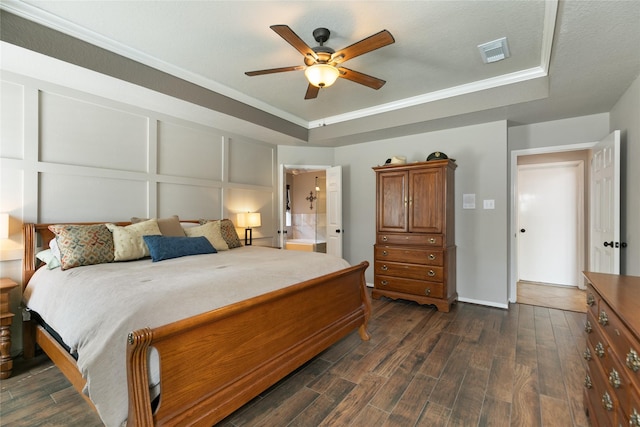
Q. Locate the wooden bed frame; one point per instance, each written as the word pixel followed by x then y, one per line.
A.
pixel 213 363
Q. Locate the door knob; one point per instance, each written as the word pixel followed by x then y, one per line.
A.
pixel 522 230
pixel 338 231
pixel 608 244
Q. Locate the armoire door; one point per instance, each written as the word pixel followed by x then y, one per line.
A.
pixel 392 201
pixel 426 200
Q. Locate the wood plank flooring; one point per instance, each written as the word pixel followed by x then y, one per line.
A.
pixel 544 295
pixel 474 366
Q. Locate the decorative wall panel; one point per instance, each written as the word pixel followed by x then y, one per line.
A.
pixel 251 163
pixel 90 198
pixel 11 121
pixel 189 151
pixel 77 132
pixel 189 201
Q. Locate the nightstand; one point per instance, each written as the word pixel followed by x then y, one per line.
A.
pixel 6 318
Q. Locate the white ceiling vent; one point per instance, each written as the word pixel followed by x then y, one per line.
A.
pixel 494 51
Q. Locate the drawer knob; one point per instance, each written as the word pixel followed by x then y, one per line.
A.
pixel 614 379
pixel 432 240
pixel 384 267
pixel 607 403
pixel 587 327
pixel 432 257
pixel 586 354
pixel 634 420
pixel 385 253
pixel 427 291
pixel 384 282
pixel 603 319
pixel 384 238
pixel 431 273
pixel 600 349
pixel 590 300
pixel 587 382
pixel 633 361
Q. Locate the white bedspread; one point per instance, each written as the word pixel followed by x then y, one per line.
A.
pixel 93 308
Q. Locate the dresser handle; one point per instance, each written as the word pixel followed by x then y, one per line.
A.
pixel 633 361
pixel 431 273
pixel 432 257
pixel 607 403
pixel 634 420
pixel 600 349
pixel 385 253
pixel 432 240
pixel 384 267
pixel 587 382
pixel 603 319
pixel 586 354
pixel 614 379
pixel 590 300
pixel 587 327
pixel 427 291
pixel 384 282
pixel 384 238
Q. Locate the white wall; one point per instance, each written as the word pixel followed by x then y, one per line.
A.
pixel 625 116
pixel 71 155
pixel 480 152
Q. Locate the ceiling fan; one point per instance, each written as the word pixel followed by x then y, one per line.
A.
pixel 322 64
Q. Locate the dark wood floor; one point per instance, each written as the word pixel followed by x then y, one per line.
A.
pixel 474 366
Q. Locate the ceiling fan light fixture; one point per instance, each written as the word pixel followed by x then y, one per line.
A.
pixel 321 75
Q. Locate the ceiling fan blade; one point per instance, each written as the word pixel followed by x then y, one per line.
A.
pixel 294 40
pixel 275 70
pixel 312 92
pixel 376 41
pixel 363 79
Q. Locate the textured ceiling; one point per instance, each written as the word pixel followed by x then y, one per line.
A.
pixel 569 58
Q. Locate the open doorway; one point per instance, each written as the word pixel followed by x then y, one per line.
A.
pixel 559 178
pixel 305 209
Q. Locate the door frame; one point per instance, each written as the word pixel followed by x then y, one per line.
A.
pixel 282 188
pixel 513 205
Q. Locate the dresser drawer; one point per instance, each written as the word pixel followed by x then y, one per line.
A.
pixel 617 335
pixel 596 343
pixel 603 399
pixel 410 239
pixel 413 256
pixel 415 287
pixel 592 301
pixel 617 379
pixel 410 271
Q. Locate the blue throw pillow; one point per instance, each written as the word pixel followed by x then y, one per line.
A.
pixel 167 247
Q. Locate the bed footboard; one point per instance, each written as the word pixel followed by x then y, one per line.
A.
pixel 212 364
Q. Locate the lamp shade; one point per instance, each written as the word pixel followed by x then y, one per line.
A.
pixel 322 75
pixel 249 220
pixel 4 225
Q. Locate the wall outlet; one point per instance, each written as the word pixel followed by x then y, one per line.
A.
pixel 489 204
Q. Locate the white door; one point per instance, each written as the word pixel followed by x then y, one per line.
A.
pixel 550 207
pixel 334 211
pixel 604 249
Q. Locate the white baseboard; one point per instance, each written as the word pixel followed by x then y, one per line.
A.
pixel 480 302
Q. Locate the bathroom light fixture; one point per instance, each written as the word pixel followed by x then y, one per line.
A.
pixel 248 221
pixel 322 75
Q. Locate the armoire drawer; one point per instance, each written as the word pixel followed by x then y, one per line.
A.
pixel 409 286
pixel 410 271
pixel 410 239
pixel 413 256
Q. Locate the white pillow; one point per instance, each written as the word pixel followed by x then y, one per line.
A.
pixel 47 256
pixel 128 242
pixel 210 230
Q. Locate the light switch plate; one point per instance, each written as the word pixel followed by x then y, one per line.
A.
pixel 489 204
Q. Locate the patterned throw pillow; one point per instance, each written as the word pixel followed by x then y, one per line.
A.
pixel 83 244
pixel 228 232
pixel 210 230
pixel 127 241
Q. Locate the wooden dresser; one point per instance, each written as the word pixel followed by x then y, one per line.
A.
pixel 415 252
pixel 612 381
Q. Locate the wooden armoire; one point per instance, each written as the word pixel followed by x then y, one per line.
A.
pixel 415 252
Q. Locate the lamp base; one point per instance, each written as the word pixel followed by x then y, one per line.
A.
pixel 248 237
